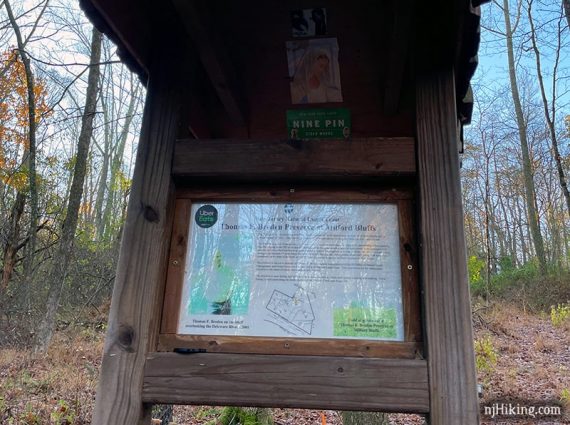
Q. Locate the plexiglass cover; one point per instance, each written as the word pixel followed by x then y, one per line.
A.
pixel 293 270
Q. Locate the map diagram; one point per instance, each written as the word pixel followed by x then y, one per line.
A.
pixel 292 313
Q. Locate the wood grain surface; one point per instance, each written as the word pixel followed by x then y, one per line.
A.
pixel 139 284
pixel 273 158
pixel 449 334
pixel 287 381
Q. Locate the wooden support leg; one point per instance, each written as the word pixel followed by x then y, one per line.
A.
pixel 449 333
pixel 137 296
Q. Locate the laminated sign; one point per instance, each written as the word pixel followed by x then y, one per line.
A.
pixel 318 123
pixel 293 270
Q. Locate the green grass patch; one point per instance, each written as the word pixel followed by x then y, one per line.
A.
pixel 523 286
pixel 560 314
pixel 243 416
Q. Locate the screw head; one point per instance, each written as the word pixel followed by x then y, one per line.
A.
pixel 410 267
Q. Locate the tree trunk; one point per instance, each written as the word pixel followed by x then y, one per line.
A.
pixel 32 124
pixel 487 218
pixel 523 232
pixel 103 189
pixel 364 418
pixel 530 194
pixel 116 166
pixel 13 234
pixel 509 238
pixel 61 259
pixel 566 248
pixel 550 110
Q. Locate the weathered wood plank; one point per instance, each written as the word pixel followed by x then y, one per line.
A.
pixel 176 266
pixel 124 23
pixel 301 159
pixel 449 334
pixel 255 33
pixel 294 192
pixel 344 383
pixel 291 346
pixel 139 284
pixel 409 267
pixel 399 47
pixel 214 58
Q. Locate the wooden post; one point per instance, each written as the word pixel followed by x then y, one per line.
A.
pixel 137 296
pixel 449 334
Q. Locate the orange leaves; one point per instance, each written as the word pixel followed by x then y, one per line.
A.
pixel 17 179
pixel 14 116
pixel 14 92
pixel 86 208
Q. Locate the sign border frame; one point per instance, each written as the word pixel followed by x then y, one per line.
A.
pixel 411 347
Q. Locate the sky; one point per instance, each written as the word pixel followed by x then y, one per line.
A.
pixel 492 71
pixel 60 52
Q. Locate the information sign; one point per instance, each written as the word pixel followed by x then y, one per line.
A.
pixel 300 270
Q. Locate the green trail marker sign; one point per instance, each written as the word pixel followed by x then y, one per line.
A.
pixel 318 123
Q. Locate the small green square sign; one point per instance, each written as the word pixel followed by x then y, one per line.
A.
pixel 318 123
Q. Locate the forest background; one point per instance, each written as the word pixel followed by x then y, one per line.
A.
pixel 70 115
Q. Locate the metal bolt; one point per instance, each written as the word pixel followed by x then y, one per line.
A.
pixel 410 267
pixel 175 263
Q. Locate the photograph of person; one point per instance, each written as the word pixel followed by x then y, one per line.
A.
pixel 314 71
pixel 309 22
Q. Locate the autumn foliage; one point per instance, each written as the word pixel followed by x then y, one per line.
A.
pixel 14 141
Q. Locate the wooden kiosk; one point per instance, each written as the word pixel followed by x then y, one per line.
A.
pixel 332 120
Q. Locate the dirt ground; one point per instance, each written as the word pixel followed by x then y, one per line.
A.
pixel 532 366
pixel 524 360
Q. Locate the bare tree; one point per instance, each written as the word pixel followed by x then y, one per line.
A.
pixel 550 106
pixel 64 252
pixel 32 126
pixel 530 191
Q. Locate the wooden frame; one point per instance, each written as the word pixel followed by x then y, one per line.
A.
pixel 310 382
pixel 410 348
pixel 191 66
pixel 447 307
pixel 137 295
pixel 371 157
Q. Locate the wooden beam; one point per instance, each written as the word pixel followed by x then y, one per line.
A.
pixel 126 24
pixel 292 346
pixel 282 193
pixel 399 42
pixel 449 335
pixel 341 383
pixel 214 58
pixel 371 157
pixel 137 295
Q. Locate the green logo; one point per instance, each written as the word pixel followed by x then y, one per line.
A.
pixel 206 216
